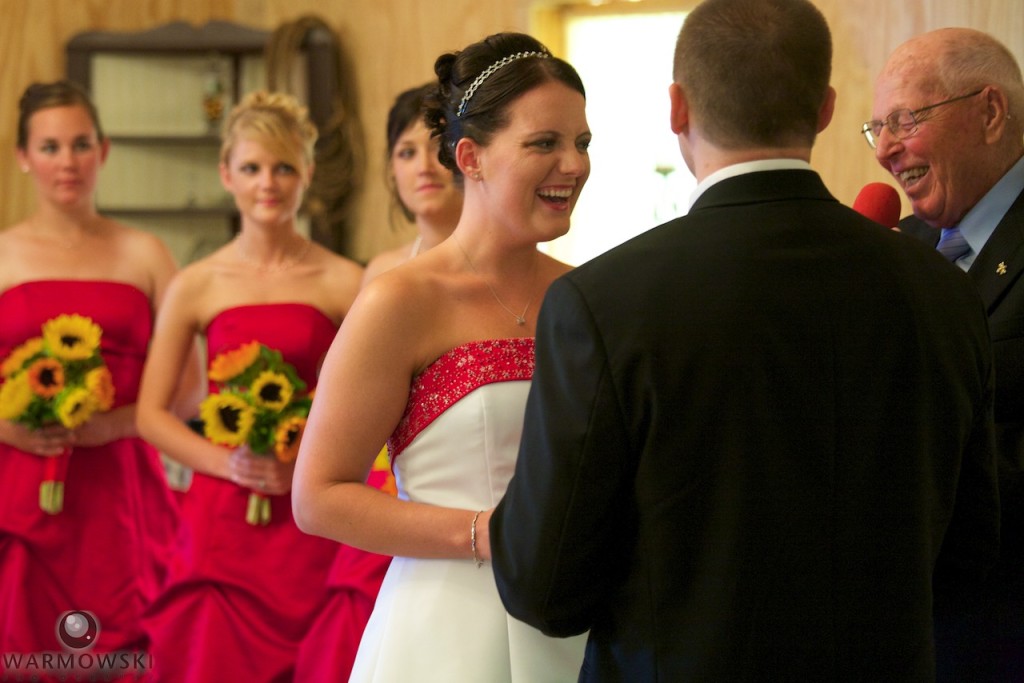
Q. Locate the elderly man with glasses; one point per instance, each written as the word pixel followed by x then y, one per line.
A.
pixel 949 107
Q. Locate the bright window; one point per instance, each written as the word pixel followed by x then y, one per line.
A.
pixel 637 178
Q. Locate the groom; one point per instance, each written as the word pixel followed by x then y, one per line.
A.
pixel 758 433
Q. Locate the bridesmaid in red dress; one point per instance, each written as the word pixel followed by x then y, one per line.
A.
pixel 427 195
pixel 241 596
pixel 106 551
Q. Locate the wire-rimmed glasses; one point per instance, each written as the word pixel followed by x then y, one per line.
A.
pixel 904 123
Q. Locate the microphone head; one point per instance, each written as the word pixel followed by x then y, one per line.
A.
pixel 880 203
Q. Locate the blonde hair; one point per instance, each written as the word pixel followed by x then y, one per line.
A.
pixel 275 120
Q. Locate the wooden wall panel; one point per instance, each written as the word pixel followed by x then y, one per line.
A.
pixel 393 44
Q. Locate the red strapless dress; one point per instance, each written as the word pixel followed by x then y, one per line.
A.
pixel 107 551
pixel 240 597
pixel 330 647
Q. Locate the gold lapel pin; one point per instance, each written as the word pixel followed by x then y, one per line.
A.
pixel 1001 268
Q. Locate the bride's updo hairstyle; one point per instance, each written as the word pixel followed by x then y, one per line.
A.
pixel 476 86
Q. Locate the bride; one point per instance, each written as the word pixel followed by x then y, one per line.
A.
pixel 441 349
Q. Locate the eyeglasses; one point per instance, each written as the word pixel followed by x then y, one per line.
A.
pixel 903 123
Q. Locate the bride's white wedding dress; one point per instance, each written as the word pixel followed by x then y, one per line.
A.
pixel 442 620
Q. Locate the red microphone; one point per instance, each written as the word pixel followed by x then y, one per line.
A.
pixel 880 203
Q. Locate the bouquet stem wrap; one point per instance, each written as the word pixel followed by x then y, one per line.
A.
pixel 51 490
pixel 257 511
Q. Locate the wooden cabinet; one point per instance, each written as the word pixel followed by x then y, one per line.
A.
pixel 161 96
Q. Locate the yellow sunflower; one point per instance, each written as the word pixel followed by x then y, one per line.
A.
pixel 230 364
pixel 380 473
pixel 286 440
pixel 19 355
pixel 100 384
pixel 71 337
pixel 272 390
pixel 227 419
pixel 15 397
pixel 74 407
pixel 46 377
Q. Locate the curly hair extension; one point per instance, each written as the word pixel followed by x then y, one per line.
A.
pixel 341 149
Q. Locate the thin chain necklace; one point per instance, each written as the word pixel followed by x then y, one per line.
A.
pixel 521 317
pixel 284 265
pixel 415 247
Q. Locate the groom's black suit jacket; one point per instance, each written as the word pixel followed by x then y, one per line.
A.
pixel 754 434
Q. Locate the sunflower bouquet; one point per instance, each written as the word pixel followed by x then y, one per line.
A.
pixel 262 403
pixel 56 378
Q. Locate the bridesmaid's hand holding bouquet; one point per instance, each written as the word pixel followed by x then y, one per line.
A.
pixel 56 379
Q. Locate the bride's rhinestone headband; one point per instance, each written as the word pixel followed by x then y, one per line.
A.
pixel 486 73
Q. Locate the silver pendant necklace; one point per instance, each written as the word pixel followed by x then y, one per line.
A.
pixel 520 317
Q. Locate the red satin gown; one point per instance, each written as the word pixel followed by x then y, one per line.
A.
pixel 330 647
pixel 107 551
pixel 241 597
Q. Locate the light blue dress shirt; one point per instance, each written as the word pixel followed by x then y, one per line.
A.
pixel 980 222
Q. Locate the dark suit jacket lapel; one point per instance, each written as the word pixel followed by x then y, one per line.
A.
pixel 1001 261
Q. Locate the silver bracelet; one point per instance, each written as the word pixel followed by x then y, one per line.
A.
pixel 472 540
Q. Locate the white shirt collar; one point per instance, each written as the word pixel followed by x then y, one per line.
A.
pixel 747 167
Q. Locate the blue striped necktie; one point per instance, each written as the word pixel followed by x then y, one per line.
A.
pixel 952 244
